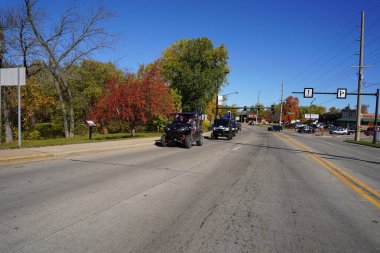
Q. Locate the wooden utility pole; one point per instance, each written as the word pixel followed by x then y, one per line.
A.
pixel 360 81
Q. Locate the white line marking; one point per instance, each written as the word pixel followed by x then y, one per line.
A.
pixel 236 148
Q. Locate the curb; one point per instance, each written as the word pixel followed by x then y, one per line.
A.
pixel 52 155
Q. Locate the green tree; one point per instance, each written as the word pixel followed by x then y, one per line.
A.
pixel 333 109
pixel 196 70
pixel 88 81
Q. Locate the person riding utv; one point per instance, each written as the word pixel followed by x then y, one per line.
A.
pixel 185 129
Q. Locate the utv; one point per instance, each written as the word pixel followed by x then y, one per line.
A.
pixel 185 129
pixel 223 127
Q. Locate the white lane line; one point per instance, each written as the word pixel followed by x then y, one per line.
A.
pixel 236 148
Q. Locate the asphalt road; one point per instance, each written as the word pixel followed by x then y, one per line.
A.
pixel 260 192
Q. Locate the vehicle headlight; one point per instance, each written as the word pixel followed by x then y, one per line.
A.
pixel 167 129
pixel 182 129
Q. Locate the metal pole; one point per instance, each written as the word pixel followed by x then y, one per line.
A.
pixel 376 117
pixel 282 94
pixel 216 108
pixel 1 111
pixel 360 82
pixel 19 108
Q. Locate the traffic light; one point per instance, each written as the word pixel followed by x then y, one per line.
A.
pixel 245 108
pixel 272 108
pixel 258 108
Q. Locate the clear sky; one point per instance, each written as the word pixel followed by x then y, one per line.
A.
pixel 305 43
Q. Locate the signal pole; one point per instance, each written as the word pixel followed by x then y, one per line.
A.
pixel 257 110
pixel 282 94
pixel 360 81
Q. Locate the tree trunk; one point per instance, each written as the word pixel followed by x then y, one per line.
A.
pixel 71 105
pixel 63 109
pixel 8 125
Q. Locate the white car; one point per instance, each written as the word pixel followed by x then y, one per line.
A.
pixel 339 130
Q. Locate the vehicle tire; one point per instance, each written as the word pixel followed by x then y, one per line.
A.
pixel 233 133
pixel 187 141
pixel 215 136
pixel 229 136
pixel 163 140
pixel 200 141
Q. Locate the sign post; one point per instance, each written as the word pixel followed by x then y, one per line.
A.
pixel 11 77
pixel 342 94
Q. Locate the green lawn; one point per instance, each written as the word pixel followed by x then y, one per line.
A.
pixel 366 143
pixel 76 140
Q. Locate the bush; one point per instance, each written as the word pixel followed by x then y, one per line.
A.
pixel 49 130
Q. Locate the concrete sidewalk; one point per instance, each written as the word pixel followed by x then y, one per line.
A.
pixel 10 156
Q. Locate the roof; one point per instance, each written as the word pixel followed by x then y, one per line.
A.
pixel 364 120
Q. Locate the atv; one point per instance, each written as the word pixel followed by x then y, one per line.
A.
pixel 183 130
pixel 223 127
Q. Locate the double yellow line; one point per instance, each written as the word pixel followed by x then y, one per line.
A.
pixel 361 188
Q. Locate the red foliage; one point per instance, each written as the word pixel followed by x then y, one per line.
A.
pixel 291 106
pixel 136 100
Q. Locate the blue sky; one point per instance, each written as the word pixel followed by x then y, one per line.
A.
pixel 301 42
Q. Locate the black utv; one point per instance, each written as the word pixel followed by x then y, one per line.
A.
pixel 185 129
pixel 223 127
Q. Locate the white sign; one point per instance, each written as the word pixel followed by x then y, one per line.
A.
pixel 341 93
pixel 10 76
pixel 220 100
pixel 311 116
pixel 308 92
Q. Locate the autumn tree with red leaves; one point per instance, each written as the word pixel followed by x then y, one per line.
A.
pixel 291 110
pixel 138 99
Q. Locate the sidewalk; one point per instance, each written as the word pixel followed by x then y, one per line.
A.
pixel 10 156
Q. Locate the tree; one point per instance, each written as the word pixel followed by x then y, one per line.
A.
pixel 333 109
pixel 291 109
pixel 88 80
pixel 196 70
pixel 136 100
pixel 72 39
pixel 364 108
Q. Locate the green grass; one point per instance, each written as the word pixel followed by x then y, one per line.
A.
pixel 76 140
pixel 366 143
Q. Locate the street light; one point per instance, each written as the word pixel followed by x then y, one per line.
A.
pixel 216 110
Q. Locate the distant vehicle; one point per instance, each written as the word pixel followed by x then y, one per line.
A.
pixel 339 130
pixel 238 125
pixel 183 130
pixel 277 128
pixel 298 125
pixel 305 129
pixel 251 123
pixel 351 129
pixel 270 128
pixel 371 131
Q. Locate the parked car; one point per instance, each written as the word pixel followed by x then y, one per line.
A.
pixel 277 128
pixel 339 130
pixel 305 129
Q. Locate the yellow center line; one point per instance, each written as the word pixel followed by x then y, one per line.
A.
pixel 361 188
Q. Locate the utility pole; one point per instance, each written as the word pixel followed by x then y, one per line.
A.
pixel 360 81
pixel 282 94
pixel 257 109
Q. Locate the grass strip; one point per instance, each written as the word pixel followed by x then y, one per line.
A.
pixel 365 143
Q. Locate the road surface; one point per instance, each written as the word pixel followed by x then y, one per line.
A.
pixel 260 192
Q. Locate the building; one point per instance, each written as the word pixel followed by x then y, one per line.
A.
pixel 349 118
